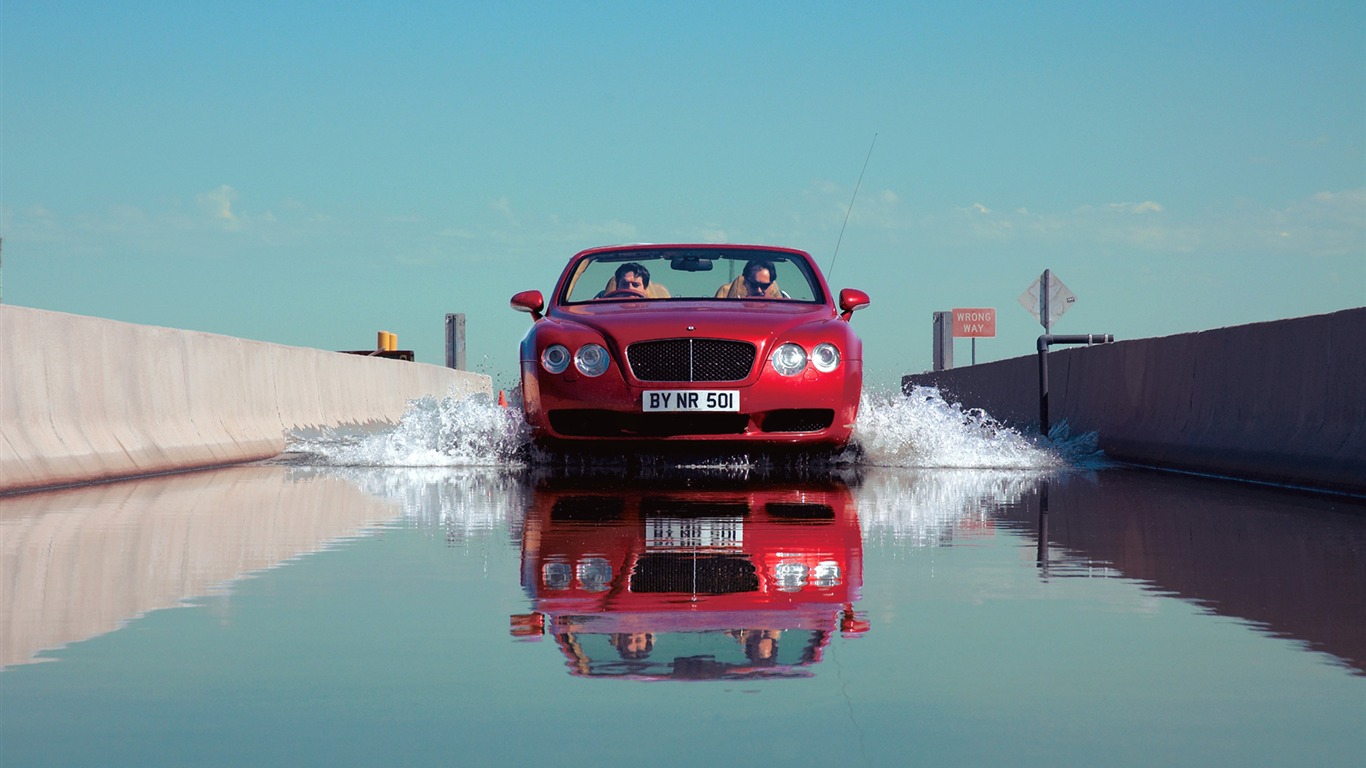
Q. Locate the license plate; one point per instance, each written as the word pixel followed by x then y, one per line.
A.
pixel 690 400
pixel 662 533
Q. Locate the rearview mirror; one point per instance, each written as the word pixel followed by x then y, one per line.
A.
pixel 852 299
pixel 529 301
pixel 690 264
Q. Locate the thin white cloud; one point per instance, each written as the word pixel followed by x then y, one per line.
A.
pixel 1328 223
pixel 503 206
pixel 218 204
pixel 1147 206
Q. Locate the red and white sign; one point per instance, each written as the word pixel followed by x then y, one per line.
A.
pixel 974 322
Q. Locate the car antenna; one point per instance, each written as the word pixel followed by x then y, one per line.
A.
pixel 850 210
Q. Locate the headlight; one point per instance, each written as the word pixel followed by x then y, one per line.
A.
pixel 591 360
pixel 827 573
pixel 556 575
pixel 791 577
pixel 789 359
pixel 595 574
pixel 555 358
pixel 826 357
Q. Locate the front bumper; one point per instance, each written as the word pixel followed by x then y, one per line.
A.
pixel 811 409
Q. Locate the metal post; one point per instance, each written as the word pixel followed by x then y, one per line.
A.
pixel 1044 317
pixel 943 341
pixel 1043 384
pixel 1044 342
pixel 1041 555
pixel 455 341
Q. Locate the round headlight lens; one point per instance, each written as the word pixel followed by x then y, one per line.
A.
pixel 595 574
pixel 591 360
pixel 826 357
pixel 827 573
pixel 555 358
pixel 556 575
pixel 789 359
pixel 790 576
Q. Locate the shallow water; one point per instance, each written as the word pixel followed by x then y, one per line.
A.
pixel 1042 611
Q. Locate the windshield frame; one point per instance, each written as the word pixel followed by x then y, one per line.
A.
pixel 785 260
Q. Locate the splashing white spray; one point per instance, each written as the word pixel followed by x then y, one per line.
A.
pixel 469 432
pixel 919 430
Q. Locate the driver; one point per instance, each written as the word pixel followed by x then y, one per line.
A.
pixel 633 277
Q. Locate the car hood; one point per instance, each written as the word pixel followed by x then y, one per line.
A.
pixel 629 321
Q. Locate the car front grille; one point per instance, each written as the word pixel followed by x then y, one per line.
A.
pixel 691 360
pixel 796 511
pixel 704 574
pixel 587 509
pixel 799 420
pixel 600 423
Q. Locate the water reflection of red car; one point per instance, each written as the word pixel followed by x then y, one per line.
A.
pixel 692 584
pixel 686 343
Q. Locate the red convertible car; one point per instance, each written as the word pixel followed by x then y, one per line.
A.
pixel 680 344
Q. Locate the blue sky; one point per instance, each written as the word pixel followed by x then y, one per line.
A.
pixel 308 174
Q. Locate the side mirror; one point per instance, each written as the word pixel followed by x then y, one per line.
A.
pixel 852 299
pixel 529 301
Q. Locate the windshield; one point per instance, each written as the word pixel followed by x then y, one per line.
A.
pixel 693 273
pixel 698 655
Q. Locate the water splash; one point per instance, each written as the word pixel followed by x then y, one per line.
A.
pixel 920 430
pixel 928 508
pixel 468 432
pixel 466 503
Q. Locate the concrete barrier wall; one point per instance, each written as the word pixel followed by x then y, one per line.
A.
pixel 84 561
pixel 1263 557
pixel 1281 401
pixel 85 399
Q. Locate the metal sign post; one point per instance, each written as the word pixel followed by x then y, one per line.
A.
pixel 455 341
pixel 943 341
pixel 974 323
pixel 1047 299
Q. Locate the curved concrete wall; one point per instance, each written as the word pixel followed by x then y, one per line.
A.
pixel 85 399
pixel 83 561
pixel 1282 401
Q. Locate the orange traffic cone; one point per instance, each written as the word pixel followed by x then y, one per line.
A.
pixel 502 399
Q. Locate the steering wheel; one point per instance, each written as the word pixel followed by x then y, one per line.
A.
pixel 624 293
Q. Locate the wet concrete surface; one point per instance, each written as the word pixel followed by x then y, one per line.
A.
pixel 1019 600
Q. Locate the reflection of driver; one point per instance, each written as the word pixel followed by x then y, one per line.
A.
pixel 633 645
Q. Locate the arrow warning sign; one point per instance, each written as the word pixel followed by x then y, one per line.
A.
pixel 1047 299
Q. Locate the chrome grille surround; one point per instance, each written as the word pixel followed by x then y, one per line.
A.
pixel 691 359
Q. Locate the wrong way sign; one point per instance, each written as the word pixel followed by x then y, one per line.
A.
pixel 974 322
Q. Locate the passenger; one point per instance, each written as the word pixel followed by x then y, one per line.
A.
pixel 761 645
pixel 758 281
